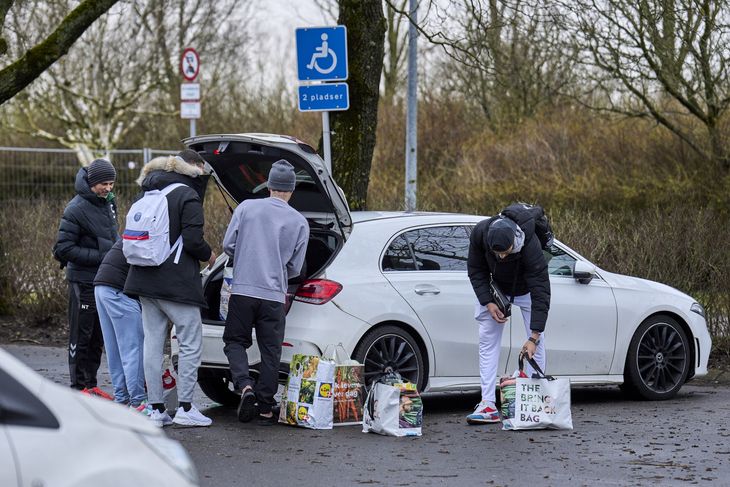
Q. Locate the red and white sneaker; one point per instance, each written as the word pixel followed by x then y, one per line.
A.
pixel 484 413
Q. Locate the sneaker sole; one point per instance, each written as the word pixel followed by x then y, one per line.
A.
pixel 185 422
pixel 247 407
pixel 482 421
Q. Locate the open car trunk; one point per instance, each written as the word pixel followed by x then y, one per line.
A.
pixel 240 164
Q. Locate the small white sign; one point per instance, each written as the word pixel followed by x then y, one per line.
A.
pixel 190 91
pixel 190 109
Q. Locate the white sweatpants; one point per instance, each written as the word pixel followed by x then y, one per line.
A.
pixel 490 343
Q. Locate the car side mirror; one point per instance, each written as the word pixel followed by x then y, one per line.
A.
pixel 584 272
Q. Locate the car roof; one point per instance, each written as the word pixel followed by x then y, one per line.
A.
pixel 365 216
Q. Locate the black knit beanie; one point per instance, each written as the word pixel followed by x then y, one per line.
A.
pixel 99 171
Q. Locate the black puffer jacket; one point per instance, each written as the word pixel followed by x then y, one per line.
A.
pixel 179 282
pixel 113 269
pixel 526 271
pixel 87 231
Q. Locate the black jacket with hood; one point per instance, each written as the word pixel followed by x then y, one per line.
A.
pixel 179 282
pixel 524 271
pixel 113 269
pixel 87 231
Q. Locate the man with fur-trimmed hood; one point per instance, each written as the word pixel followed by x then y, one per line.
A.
pixel 174 290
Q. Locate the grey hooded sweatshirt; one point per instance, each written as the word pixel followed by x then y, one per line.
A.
pixel 267 239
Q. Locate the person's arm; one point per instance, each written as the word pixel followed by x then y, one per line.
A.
pixel 67 248
pixel 478 269
pixel 192 222
pixel 294 266
pixel 229 240
pixel 538 283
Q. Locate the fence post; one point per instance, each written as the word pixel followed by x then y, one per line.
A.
pixel 146 155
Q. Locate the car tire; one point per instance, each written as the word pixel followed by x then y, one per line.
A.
pixel 658 359
pixel 218 387
pixel 391 347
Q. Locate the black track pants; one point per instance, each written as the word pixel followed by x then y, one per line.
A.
pixel 268 318
pixel 85 340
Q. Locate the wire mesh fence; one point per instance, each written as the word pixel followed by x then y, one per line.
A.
pixel 30 172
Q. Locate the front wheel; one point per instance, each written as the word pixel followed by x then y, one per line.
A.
pixel 658 360
pixel 391 347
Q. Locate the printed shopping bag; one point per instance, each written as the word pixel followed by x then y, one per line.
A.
pixel 393 407
pixel 349 393
pixel 308 397
pixel 542 403
pixel 225 291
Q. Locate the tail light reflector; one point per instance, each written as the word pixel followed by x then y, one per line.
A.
pixel 317 291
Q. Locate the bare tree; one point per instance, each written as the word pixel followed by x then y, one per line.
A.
pixel 36 60
pixel 671 58
pixel 125 71
pixel 510 57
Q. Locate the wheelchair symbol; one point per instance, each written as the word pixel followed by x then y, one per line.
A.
pixel 323 51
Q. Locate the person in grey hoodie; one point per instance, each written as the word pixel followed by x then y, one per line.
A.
pixel 267 239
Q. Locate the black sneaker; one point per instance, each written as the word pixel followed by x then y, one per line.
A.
pixel 267 420
pixel 247 406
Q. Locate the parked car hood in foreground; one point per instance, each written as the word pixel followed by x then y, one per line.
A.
pixel 241 162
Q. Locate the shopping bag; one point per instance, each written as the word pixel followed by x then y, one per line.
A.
pixel 393 407
pixel 349 394
pixel 225 292
pixel 308 397
pixel 169 384
pixel 539 403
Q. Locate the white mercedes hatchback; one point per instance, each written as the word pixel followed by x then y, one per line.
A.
pixel 392 288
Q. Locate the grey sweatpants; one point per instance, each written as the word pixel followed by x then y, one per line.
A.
pixel 189 331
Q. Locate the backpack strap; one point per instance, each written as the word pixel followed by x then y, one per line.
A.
pixel 177 247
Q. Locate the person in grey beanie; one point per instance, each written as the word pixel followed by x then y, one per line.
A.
pixel 87 231
pixel 267 240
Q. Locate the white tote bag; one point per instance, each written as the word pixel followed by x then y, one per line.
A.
pixel 529 404
pixel 393 410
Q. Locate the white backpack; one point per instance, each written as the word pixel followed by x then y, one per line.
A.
pixel 146 238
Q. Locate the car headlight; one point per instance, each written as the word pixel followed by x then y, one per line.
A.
pixel 697 308
pixel 173 453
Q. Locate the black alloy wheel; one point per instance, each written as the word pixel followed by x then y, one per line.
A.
pixel 391 348
pixel 658 360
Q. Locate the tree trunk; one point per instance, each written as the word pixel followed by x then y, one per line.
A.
pixel 35 61
pixel 353 137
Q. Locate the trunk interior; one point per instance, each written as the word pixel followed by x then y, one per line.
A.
pixel 321 248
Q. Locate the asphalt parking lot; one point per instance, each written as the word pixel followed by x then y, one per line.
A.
pixel 615 441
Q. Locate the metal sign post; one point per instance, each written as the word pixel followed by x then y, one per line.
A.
pixel 322 57
pixel 412 112
pixel 190 92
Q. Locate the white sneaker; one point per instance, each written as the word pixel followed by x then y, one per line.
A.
pixel 485 412
pixel 191 418
pixel 160 419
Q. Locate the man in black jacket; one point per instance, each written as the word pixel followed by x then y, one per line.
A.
pixel 87 231
pixel 511 257
pixel 173 290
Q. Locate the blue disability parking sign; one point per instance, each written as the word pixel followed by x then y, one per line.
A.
pixel 322 53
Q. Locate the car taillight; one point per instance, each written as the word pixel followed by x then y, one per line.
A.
pixel 317 291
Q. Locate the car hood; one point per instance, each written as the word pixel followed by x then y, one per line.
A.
pixel 620 281
pixel 240 163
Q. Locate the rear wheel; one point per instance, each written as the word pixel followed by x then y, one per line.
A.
pixel 391 347
pixel 218 387
pixel 658 360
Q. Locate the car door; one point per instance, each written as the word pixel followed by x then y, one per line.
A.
pixel 8 475
pixel 580 334
pixel 427 266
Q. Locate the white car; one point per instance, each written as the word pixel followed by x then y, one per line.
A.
pixel 392 288
pixel 53 435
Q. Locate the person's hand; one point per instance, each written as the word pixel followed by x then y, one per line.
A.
pixel 496 313
pixel 211 261
pixel 529 348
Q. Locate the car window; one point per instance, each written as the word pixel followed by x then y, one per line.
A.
pixel 559 263
pixel 435 249
pixel 399 256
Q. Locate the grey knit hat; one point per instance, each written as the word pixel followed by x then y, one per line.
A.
pixel 281 176
pixel 99 171
pixel 501 234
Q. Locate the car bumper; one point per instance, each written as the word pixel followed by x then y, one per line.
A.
pixel 702 344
